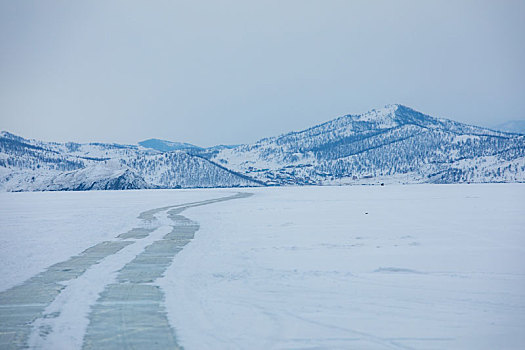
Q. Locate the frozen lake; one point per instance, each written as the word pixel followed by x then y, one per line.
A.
pixel 363 267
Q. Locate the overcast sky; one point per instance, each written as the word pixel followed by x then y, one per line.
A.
pixel 228 72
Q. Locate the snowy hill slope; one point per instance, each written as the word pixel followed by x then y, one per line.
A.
pixel 30 165
pixel 167 146
pixel 394 144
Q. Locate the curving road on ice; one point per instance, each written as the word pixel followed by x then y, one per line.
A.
pixel 112 283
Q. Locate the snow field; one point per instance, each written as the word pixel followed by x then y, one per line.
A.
pixel 364 267
pixel 39 229
pixel 361 267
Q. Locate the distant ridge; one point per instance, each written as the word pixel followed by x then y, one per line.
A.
pixel 31 165
pixel 393 144
pixel 167 146
pixel 514 126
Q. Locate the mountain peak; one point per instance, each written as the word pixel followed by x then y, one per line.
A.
pixel 10 136
pixel 167 146
pixel 384 117
pixel 394 115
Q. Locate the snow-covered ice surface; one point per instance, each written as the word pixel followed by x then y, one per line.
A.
pixel 360 267
pixel 43 228
pixel 363 267
pixel 103 297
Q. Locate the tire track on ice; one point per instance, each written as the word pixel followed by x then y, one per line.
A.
pixel 130 313
pixel 25 310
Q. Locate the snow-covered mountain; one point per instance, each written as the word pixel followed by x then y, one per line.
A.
pixel 167 146
pixel 391 144
pixel 30 165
